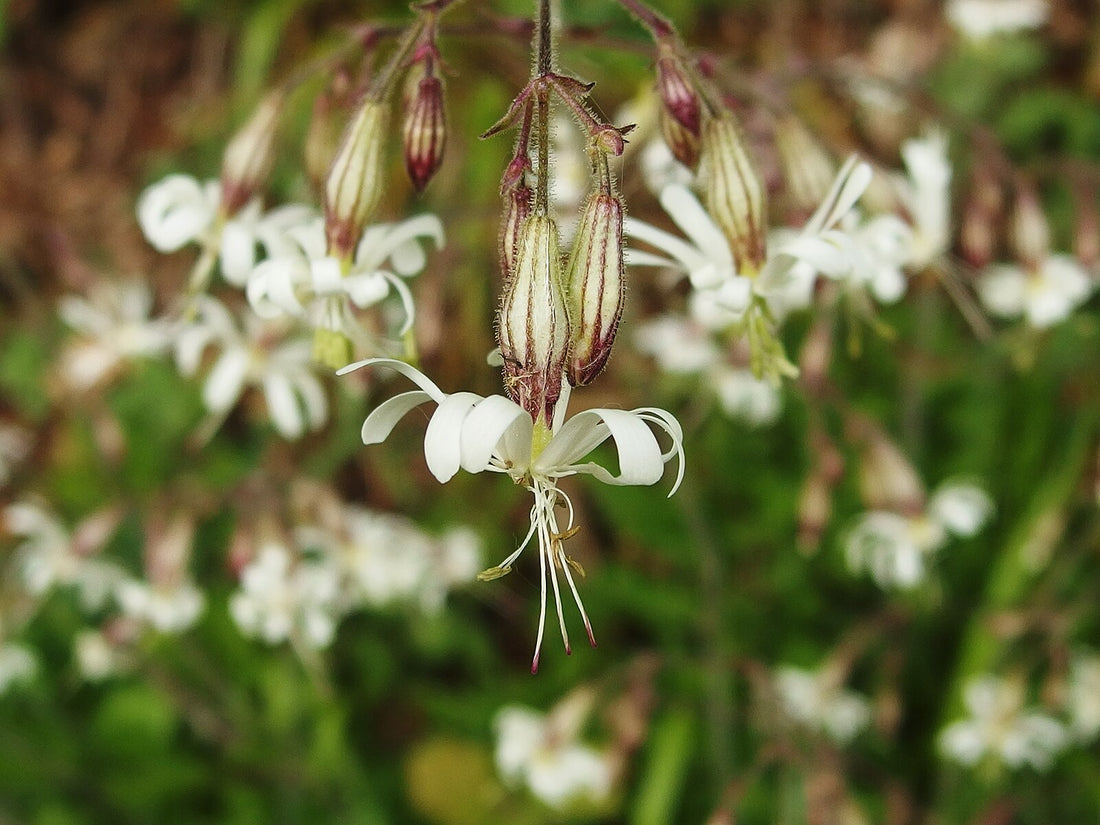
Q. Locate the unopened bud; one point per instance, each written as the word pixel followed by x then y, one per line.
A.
pixel 517 206
pixel 683 144
pixel 815 508
pixel 978 232
pixel 323 135
pixel 808 171
pixel 734 192
pixel 425 130
pixel 676 90
pixel 532 323
pixel 354 184
pixel 250 155
pixel 1086 228
pixel 887 479
pixel 595 287
pixel 1030 230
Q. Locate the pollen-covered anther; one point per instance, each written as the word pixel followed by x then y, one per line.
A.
pixel 595 287
pixel 425 129
pixel 532 323
pixel 676 90
pixel 354 185
pixel 250 155
pixel 734 192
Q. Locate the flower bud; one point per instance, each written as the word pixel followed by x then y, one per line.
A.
pixel 595 287
pixel 425 130
pixel 250 155
pixel 734 192
pixel 517 206
pixel 532 323
pixel 676 91
pixel 323 135
pixel 354 184
pixel 1030 230
pixel 808 171
pixel 887 479
pixel 1086 228
pixel 978 230
pixel 681 142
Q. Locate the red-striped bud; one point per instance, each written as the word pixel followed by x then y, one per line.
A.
pixel 250 155
pixel 354 185
pixel 425 128
pixel 532 323
pixel 676 90
pixel 734 192
pixel 517 206
pixel 683 144
pixel 595 287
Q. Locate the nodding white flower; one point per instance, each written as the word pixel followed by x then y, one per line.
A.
pixel 16 665
pixel 115 326
pixel 1083 696
pixel 180 210
pixel 894 548
pixel 254 356
pixel 1045 295
pixel 308 280
pixel 475 433
pixel 982 19
pixel 51 556
pixel 543 753
pixel 282 599
pixel 722 295
pixel 816 701
pixel 169 607
pixel 1000 728
pixel 926 196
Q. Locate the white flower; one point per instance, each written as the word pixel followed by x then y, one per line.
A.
pixel 814 700
pixel 475 434
pixel 180 210
pixel 744 396
pixel 895 548
pixel 167 608
pixel 678 345
pixel 96 656
pixel 115 327
pixel 1083 699
pixel 542 753
pixel 16 665
pixel 1045 295
pixel 50 556
pixel 721 295
pixel 926 195
pixel 982 19
pixel 281 600
pixel 284 372
pixel 1000 728
pixel 308 280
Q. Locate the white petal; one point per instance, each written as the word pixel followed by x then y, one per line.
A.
pixel 638 452
pixel 283 406
pixel 238 255
pixel 443 438
pixel 398 244
pixel 410 372
pixel 174 211
pixel 383 418
pixel 690 259
pixel 486 425
pixel 226 380
pixel 694 221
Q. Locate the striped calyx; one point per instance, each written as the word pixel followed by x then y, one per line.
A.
pixel 595 287
pixel 734 192
pixel 250 155
pixel 354 185
pixel 532 323
pixel 425 128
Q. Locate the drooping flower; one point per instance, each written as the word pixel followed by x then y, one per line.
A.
pixel 476 434
pixel 1045 295
pixel 253 356
pixel 1001 728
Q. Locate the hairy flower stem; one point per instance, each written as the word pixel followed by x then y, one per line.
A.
pixel 544 61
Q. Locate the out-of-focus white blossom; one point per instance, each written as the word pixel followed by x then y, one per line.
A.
pixel 50 556
pixel 542 753
pixel 114 325
pixel 814 699
pixel 678 345
pixel 1000 728
pixel 1044 295
pixel 180 210
pixel 16 665
pixel 743 396
pixel 167 608
pixel 895 548
pixel 282 598
pixel 1083 697
pixel 253 356
pixel 926 196
pixel 982 19
pixel 96 656
pixel 306 282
